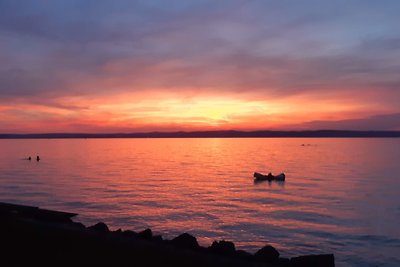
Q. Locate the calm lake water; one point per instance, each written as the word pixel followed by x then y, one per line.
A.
pixel 341 196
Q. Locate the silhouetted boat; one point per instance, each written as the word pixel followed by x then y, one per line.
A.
pixel 269 177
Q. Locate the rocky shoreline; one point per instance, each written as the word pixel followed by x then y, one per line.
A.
pixel 36 237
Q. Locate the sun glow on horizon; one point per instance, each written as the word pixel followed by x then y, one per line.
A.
pixel 191 66
pixel 161 111
pixel 211 111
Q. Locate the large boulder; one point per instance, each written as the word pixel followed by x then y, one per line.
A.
pixel 129 233
pixel 267 253
pixel 322 260
pixel 283 262
pixel 78 225
pixel 185 240
pixel 146 234
pixel 157 238
pixel 118 231
pixel 99 227
pixel 223 247
pixel 244 254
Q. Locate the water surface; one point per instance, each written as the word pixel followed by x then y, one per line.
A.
pixel 341 195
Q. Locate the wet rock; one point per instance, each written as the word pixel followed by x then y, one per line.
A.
pixel 146 234
pixel 157 238
pixel 129 233
pixel 283 262
pixel 244 254
pixel 223 247
pixel 118 232
pixel 185 240
pixel 267 253
pixel 99 227
pixel 78 225
pixel 323 260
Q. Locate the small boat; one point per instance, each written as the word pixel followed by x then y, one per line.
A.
pixel 269 177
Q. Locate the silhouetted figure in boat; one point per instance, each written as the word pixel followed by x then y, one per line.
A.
pixel 29 158
pixel 37 158
pixel 269 177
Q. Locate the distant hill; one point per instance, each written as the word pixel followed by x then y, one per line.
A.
pixel 210 134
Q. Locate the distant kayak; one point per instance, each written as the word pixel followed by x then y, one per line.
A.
pixel 269 177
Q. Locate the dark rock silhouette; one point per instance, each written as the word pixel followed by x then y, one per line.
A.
pixel 39 237
pixel 223 247
pixel 78 225
pixel 146 234
pixel 244 254
pixel 129 233
pixel 118 231
pixel 284 262
pixel 267 253
pixel 324 260
pixel 99 227
pixel 185 240
pixel 36 213
pixel 157 238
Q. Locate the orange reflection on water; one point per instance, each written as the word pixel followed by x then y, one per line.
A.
pixel 333 191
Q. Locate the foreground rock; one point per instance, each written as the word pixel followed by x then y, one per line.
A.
pixel 35 237
pixel 146 234
pixel 185 240
pixel 326 260
pixel 223 247
pixel 267 253
pixel 99 227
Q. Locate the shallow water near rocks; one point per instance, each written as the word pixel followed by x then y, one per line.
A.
pixel 341 195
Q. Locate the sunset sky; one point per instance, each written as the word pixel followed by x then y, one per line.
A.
pixel 137 66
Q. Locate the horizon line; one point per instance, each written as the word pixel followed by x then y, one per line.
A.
pixel 209 134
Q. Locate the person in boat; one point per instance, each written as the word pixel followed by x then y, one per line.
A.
pixel 37 158
pixel 29 158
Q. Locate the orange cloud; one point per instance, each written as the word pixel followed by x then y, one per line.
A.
pixel 171 111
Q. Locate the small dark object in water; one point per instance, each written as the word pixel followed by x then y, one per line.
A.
pixel 261 177
pixel 37 158
pixel 29 158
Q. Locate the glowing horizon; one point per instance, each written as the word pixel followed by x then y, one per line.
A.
pixel 198 66
pixel 138 113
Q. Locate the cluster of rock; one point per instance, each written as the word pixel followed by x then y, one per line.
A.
pixel 37 237
pixel 267 254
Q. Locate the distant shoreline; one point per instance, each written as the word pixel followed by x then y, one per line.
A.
pixel 215 134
